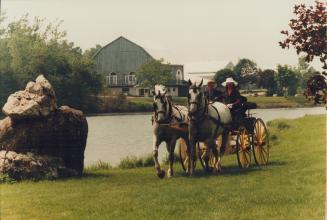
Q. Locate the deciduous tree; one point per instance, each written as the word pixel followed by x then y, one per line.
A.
pixel 308 32
pixel 287 80
pixel 155 72
pixel 29 48
pixel 266 79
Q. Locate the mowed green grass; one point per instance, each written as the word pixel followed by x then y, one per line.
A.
pixel 292 186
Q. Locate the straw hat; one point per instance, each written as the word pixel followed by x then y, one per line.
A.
pixel 229 80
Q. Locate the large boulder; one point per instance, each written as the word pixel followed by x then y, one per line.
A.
pixel 34 125
pixel 30 166
pixel 63 135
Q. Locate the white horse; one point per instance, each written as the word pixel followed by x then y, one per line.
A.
pixel 169 124
pixel 206 122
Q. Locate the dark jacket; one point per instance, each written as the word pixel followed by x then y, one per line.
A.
pixel 233 97
pixel 214 95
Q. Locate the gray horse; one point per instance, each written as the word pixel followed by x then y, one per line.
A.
pixel 169 124
pixel 206 122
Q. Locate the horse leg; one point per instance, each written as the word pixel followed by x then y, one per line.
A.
pixel 222 149
pixel 213 146
pixel 207 157
pixel 188 151
pixel 160 173
pixel 191 155
pixel 224 138
pixel 171 149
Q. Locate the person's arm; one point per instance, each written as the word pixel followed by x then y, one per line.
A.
pixel 238 99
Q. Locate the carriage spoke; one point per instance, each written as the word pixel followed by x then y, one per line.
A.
pixel 263 136
pixel 263 158
pixel 186 162
pixel 246 159
pixel 266 151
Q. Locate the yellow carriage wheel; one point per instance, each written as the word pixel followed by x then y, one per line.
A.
pixel 183 156
pixel 243 146
pixel 260 143
pixel 202 153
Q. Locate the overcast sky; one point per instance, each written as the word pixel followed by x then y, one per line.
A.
pixel 203 35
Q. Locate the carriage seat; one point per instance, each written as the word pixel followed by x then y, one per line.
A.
pixel 250 105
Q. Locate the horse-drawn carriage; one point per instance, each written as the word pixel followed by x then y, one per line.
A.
pixel 246 137
pixel 205 130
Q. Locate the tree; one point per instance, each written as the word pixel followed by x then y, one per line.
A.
pixel 245 71
pixel 92 51
pixel 308 32
pixel 222 74
pixel 229 65
pixel 28 49
pixel 153 73
pixel 266 79
pixel 287 80
pixel 304 72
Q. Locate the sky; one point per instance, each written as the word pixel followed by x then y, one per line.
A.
pixel 202 35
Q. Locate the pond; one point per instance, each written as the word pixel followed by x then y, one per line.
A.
pixel 112 137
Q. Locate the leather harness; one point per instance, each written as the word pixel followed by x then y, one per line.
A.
pixel 170 115
pixel 205 114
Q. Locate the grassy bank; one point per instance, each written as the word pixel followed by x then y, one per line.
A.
pixel 292 186
pixel 263 102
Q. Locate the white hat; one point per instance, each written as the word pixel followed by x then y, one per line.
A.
pixel 229 80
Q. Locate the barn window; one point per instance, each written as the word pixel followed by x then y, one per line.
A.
pixel 179 76
pixel 112 79
pixel 130 79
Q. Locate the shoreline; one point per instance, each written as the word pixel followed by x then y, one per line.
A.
pixel 150 112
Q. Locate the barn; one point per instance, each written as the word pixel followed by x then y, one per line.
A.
pixel 118 62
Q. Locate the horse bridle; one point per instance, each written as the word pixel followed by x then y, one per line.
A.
pixel 198 108
pixel 168 114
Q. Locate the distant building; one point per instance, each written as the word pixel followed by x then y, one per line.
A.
pixel 120 59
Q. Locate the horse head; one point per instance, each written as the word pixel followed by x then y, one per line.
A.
pixel 196 98
pixel 160 106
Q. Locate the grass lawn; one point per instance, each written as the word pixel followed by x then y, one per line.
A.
pixel 280 102
pixel 292 186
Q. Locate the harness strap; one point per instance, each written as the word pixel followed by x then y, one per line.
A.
pixel 217 121
pixel 180 114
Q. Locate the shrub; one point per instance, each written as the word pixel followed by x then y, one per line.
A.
pixel 130 162
pixel 283 125
pixel 148 161
pixel 99 165
pixel 5 178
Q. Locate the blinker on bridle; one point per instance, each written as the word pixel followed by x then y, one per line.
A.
pixel 156 113
pixel 195 102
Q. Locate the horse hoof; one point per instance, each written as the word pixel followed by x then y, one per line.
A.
pixel 161 174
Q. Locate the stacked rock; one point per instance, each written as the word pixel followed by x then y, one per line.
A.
pixel 38 139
